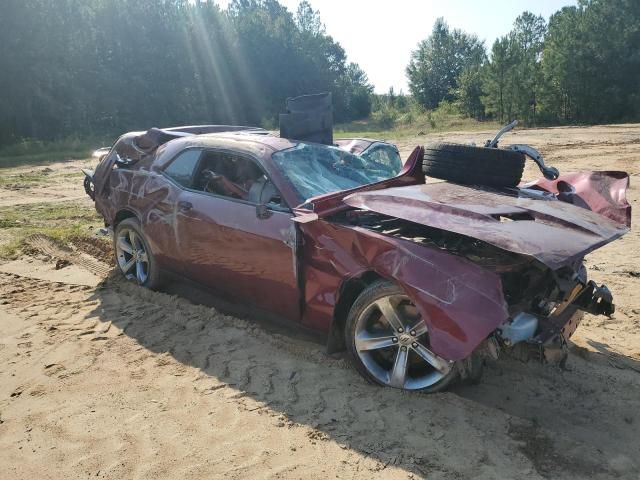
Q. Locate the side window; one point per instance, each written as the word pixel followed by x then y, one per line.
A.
pixel 237 177
pixel 384 158
pixel 182 167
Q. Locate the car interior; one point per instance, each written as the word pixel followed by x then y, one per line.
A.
pixel 230 175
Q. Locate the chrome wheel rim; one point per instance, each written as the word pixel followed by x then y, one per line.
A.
pixel 392 342
pixel 132 256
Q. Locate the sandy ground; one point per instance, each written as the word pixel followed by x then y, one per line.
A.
pixel 100 378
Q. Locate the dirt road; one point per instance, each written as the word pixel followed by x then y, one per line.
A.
pixel 102 379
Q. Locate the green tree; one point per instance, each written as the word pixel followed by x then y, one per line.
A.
pixel 308 20
pixel 439 60
pixel 495 80
pixel 561 61
pixel 512 80
pixel 355 91
pixel 591 62
pixel 468 93
pixel 526 76
pixel 106 66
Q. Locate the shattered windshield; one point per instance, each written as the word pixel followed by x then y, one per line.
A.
pixel 383 154
pixel 318 169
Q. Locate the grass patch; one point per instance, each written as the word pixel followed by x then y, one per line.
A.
pixel 36 152
pixel 411 121
pixel 36 213
pixel 22 179
pixel 14 180
pixel 372 129
pixel 62 221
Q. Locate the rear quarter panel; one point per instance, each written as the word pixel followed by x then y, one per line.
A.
pixel 151 198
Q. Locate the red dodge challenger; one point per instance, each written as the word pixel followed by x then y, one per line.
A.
pixel 419 282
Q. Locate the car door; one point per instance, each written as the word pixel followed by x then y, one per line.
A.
pixel 239 249
pixel 161 198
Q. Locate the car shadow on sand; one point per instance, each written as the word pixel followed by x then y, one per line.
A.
pixel 594 399
pixel 462 433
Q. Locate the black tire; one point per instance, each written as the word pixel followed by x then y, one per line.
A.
pixel 154 278
pixel 473 165
pixel 369 295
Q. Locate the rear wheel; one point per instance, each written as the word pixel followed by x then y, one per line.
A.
pixel 472 165
pixel 133 255
pixel 389 343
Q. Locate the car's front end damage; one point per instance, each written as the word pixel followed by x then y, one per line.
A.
pixel 495 301
pixel 490 270
pixel 532 240
pixel 546 307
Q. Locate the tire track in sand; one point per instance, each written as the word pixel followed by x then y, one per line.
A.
pixel 293 381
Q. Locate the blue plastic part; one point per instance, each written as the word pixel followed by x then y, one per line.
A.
pixel 522 327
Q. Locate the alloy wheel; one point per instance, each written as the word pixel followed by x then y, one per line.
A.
pixel 132 256
pixel 392 341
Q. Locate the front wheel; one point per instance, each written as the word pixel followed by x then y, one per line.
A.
pixel 133 255
pixel 388 342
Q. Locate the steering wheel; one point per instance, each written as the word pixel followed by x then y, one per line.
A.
pixel 210 181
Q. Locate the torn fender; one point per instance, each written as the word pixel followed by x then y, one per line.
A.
pixel 601 192
pixel 461 302
pixel 523 221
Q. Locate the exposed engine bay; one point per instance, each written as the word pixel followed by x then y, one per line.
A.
pixel 545 305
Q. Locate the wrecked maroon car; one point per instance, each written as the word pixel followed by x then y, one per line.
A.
pixel 418 282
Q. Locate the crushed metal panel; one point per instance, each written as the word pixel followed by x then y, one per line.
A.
pixel 601 192
pixel 554 232
pixel 460 302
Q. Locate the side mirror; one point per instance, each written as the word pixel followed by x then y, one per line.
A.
pixel 262 211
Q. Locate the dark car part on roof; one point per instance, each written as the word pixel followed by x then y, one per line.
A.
pixel 309 118
pixel 473 165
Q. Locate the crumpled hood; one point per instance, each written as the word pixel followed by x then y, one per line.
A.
pixel 523 221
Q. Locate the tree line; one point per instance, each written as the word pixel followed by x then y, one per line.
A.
pixel 583 66
pixel 87 67
pixel 82 67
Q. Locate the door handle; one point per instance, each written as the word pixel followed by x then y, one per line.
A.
pixel 184 206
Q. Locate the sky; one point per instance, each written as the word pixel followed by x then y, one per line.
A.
pixel 379 35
